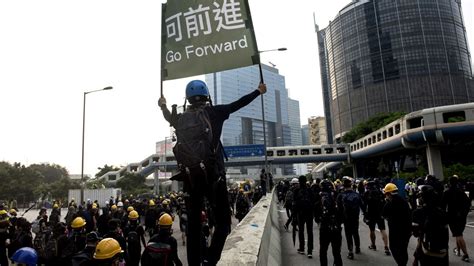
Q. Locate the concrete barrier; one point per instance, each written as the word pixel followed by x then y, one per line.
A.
pixel 256 239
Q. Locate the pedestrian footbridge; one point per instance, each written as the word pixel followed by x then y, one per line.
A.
pixel 427 128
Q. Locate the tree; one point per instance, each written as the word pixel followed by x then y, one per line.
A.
pixel 106 169
pixel 50 172
pixel 371 125
pixel 132 183
pixel 19 182
pixel 463 171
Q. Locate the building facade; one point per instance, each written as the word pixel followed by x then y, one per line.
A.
pixel 246 125
pixel 294 122
pixel 318 134
pixel 382 56
pixel 305 134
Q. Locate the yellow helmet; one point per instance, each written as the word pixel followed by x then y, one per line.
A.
pixel 151 203
pixel 94 206
pixel 107 248
pixel 130 208
pixel 165 220
pixel 78 222
pixel 166 202
pixel 133 215
pixel 3 212
pixel 114 207
pixel 389 188
pixel 12 211
pixel 55 206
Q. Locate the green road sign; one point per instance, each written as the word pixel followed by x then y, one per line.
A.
pixel 206 36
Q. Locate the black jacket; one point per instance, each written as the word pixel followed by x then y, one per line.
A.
pixel 218 114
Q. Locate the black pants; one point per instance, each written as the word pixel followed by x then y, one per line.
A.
pixel 305 218
pixel 351 229
pixel 3 254
pixel 215 190
pixel 398 244
pixel 334 238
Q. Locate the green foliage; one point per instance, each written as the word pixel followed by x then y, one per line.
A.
pixel 50 172
pixel 106 169
pixel 96 183
pixel 132 184
pixel 463 171
pixel 26 184
pixel 369 126
pixel 345 170
pixel 420 172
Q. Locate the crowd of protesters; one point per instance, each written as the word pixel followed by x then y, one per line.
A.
pixel 425 213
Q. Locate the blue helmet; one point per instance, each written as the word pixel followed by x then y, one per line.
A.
pixel 197 88
pixel 26 256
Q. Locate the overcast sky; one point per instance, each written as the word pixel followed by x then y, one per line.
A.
pixel 51 51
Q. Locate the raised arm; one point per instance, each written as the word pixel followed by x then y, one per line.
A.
pixel 164 109
pixel 245 100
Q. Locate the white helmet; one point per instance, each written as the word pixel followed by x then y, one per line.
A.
pixel 120 204
pixel 294 181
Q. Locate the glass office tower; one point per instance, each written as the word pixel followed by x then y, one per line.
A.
pixel 245 126
pixel 381 56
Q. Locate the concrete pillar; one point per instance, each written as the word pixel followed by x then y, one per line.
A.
pixel 354 169
pixel 435 166
pixel 174 185
pixel 156 182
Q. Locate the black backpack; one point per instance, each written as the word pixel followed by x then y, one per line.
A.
pixel 328 214
pixel 303 199
pixel 351 202
pixel 39 244
pixel 133 242
pixel 51 248
pixel 194 148
pixel 435 236
pixel 156 254
pixel 375 201
pixel 70 249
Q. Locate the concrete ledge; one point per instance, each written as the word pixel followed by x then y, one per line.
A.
pixel 256 239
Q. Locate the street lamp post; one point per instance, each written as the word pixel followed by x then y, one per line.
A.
pixel 263 106
pixel 83 131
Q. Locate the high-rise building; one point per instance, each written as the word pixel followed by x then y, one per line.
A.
pixel 294 122
pixel 382 56
pixel 317 130
pixel 305 134
pixel 245 126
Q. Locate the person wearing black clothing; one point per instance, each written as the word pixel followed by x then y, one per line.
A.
pixel 329 218
pixel 162 248
pixel 103 221
pixel 290 213
pixel 373 205
pixel 85 257
pixel 397 212
pixel 457 204
pixel 351 203
pixel 430 226
pixel 54 217
pixel 151 216
pixel 76 242
pixel 304 202
pixel 4 235
pixel 263 181
pixel 242 205
pixel 197 94
pixel 115 232
pixel 135 236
